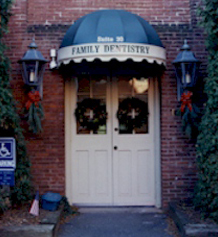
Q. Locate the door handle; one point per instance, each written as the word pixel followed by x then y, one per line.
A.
pixel 115 147
pixel 115 129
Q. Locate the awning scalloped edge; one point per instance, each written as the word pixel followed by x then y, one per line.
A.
pixel 107 59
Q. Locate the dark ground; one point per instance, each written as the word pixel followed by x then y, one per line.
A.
pixel 119 222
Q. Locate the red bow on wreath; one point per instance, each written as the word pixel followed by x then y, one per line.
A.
pixel 34 97
pixel 186 101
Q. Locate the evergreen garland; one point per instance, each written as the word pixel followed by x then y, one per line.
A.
pixel 35 114
pixel 206 193
pixel 34 111
pixel 9 119
pixel 190 115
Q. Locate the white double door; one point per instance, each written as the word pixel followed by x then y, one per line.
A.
pixel 114 167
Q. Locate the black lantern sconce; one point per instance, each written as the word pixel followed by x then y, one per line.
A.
pixel 186 66
pixel 33 67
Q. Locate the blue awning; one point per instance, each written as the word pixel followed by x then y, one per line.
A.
pixel 111 34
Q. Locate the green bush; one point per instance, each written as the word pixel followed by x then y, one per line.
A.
pixel 206 193
pixel 10 120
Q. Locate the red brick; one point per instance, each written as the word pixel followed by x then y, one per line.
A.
pixel 174 21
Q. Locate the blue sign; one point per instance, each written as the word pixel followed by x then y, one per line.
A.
pixel 7 177
pixel 7 153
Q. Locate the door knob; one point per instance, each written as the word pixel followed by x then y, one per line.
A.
pixel 116 129
pixel 115 147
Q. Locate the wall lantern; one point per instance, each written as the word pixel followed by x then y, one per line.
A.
pixel 186 67
pixel 33 66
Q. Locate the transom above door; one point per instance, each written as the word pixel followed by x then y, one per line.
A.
pixel 113 141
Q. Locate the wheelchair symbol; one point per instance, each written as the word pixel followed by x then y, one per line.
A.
pixel 4 152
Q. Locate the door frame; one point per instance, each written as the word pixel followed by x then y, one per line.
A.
pixel 70 88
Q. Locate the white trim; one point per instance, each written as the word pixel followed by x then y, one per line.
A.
pixel 157 145
pixel 107 51
pixel 69 89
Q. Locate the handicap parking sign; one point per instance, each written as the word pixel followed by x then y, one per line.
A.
pixel 7 177
pixel 7 153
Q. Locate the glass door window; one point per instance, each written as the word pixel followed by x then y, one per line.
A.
pixel 133 105
pixel 91 111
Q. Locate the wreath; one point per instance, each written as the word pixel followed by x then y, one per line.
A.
pixel 125 109
pixel 99 113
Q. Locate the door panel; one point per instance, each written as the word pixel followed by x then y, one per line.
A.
pixel 133 160
pixel 91 149
pixel 101 172
pixel 143 172
pixel 123 172
pixel 83 172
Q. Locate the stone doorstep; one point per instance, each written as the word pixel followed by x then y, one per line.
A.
pixel 28 231
pixel 48 227
pixel 119 209
pixel 186 229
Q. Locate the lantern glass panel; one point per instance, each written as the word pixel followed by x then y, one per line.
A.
pixel 188 74
pixel 179 69
pixel 31 72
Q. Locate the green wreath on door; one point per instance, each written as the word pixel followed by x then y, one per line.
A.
pixel 125 110
pixel 99 113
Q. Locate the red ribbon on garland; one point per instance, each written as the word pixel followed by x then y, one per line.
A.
pixel 186 101
pixel 34 97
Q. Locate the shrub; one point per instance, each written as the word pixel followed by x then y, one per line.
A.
pixel 10 121
pixel 206 193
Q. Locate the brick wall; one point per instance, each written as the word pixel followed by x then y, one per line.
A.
pixel 48 22
pixel 158 12
pixel 177 152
